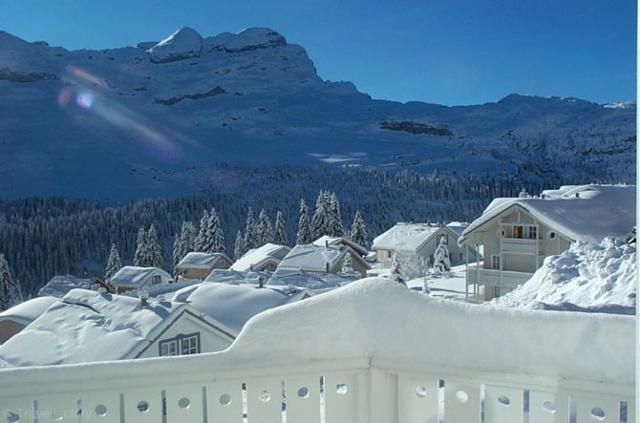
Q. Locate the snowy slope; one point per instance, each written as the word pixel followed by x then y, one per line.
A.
pixel 150 120
pixel 587 277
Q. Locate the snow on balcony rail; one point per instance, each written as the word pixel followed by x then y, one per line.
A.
pixel 372 351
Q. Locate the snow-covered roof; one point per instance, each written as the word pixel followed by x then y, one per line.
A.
pixel 315 281
pixel 197 260
pixel 28 311
pixel 314 258
pixel 257 257
pixel 135 276
pixel 579 212
pixel 59 285
pixel 332 240
pixel 231 305
pixel 409 236
pixel 587 277
pixel 87 326
pixel 237 278
pixel 458 227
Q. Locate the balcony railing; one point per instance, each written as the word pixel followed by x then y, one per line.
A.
pixel 510 279
pixel 429 385
pixel 519 245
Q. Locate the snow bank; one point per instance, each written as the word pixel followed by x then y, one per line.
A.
pixel 251 39
pixel 28 311
pixel 587 277
pixel 182 44
pixel 381 319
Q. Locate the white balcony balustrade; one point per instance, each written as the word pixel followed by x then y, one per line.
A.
pixel 369 352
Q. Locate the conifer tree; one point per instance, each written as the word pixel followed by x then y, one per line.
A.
pixel 320 224
pixel 113 263
pixel 139 258
pixel 216 233
pixel 304 226
pixel 250 232
pixel 265 229
pixel 10 293
pixel 280 234
pixel 441 260
pixel 154 251
pixel 187 235
pixel 200 241
pixel 335 227
pixel 177 253
pixel 238 249
pixel 359 230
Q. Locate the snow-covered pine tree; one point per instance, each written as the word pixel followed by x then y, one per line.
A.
pixel 347 265
pixel 113 263
pixel 10 293
pixel 441 260
pixel 250 232
pixel 141 248
pixel 335 217
pixel 397 273
pixel 320 224
pixel 238 249
pixel 304 226
pixel 280 234
pixel 200 240
pixel 217 233
pixel 265 229
pixel 359 230
pixel 176 256
pixel 154 251
pixel 187 235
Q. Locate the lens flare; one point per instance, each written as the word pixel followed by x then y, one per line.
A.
pixel 84 100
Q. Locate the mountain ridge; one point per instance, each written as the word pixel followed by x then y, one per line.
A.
pixel 91 122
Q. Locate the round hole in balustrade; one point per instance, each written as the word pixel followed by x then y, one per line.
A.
pixel 303 392
pixel 462 396
pixel 421 391
pixel 504 401
pixel 342 389
pixel 549 407
pixel 597 413
pixel 184 403
pixel 264 396
pixel 101 410
pixel 225 399
pixel 13 417
pixel 143 407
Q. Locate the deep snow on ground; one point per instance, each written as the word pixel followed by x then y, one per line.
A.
pixel 587 277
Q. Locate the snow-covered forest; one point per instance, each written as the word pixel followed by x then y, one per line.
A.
pixel 43 237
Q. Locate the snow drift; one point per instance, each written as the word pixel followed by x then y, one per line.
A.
pixel 587 277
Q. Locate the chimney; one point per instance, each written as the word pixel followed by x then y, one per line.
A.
pixel 260 282
pixel 144 297
pixel 326 243
pixel 327 267
pixel 577 195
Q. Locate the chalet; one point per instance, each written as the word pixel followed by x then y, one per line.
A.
pixel 103 327
pixel 59 285
pixel 325 240
pixel 235 277
pixel 517 234
pixel 138 278
pixel 18 317
pixel 265 258
pixel 197 265
pixel 420 240
pixel 320 259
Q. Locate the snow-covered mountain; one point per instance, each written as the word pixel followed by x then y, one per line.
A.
pixel 151 120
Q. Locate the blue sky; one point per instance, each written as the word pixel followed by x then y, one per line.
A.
pixel 442 51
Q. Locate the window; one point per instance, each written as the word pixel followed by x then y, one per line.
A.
pixel 517 232
pixel 495 261
pixel 169 347
pixel 155 280
pixel 181 345
pixel 191 344
pixel 443 239
pixel 532 232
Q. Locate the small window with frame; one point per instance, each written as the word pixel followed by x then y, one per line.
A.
pixel 169 347
pixel 190 344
